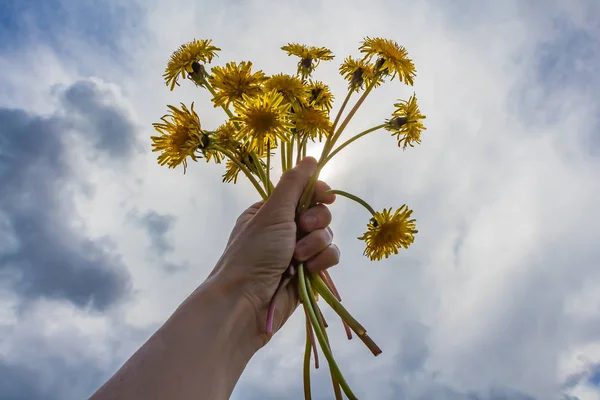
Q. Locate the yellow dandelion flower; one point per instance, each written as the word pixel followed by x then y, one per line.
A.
pixel 243 155
pixel 387 233
pixel 235 80
pixel 292 88
pixel 263 118
pixel 211 154
pixel 406 122
pixel 310 57
pixel 359 73
pixel 391 59
pixel 320 96
pixel 180 137
pixel 311 122
pixel 225 136
pixel 231 172
pixel 180 64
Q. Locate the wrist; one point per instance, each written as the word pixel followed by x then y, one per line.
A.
pixel 236 315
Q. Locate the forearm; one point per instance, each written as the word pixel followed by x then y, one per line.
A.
pixel 199 353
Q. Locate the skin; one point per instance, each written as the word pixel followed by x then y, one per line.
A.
pixel 202 349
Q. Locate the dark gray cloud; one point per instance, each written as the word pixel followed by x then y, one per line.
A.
pixel 43 255
pixel 60 365
pixel 16 383
pixel 431 390
pixel 157 227
pixel 67 379
pixel 91 110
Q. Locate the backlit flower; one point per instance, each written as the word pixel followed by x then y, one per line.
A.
pixel 391 59
pixel 261 119
pixel 320 96
pixel 234 80
pixel 387 233
pixel 311 122
pixel 310 57
pixel 292 88
pixel 180 64
pixel 231 171
pixel 406 122
pixel 242 155
pixel 225 136
pixel 359 73
pixel 180 137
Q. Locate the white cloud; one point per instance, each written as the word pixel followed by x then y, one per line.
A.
pixel 500 288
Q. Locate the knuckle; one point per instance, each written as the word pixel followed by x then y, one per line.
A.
pixel 330 232
pixel 336 254
pixel 325 214
pixel 324 238
pixel 291 175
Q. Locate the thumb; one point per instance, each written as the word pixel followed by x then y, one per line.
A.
pixel 286 195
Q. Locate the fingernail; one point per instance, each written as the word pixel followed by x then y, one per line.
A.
pixel 310 221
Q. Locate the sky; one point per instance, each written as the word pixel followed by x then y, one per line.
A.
pixel 498 298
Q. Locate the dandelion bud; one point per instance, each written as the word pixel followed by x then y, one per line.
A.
pixel 306 62
pixel 357 78
pixel 204 142
pixel 196 67
pixel 397 122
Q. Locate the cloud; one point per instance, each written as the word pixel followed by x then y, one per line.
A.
pixel 61 352
pixel 498 297
pixel 44 255
pixel 92 110
pixel 157 227
pixel 62 287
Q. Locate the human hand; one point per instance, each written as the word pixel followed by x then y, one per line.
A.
pixel 264 241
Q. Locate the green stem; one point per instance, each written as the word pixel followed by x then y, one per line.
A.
pixel 322 326
pixel 329 282
pixel 339 114
pixel 336 135
pixel 309 190
pixel 259 171
pixel 360 331
pixel 304 142
pixel 243 168
pixel 283 160
pixel 262 173
pixel 223 106
pixel 270 185
pixel 290 153
pixel 353 111
pixel 299 150
pixel 353 197
pixel 306 369
pixel 328 142
pixel 304 295
pixel 322 289
pixel 315 306
pixel 347 142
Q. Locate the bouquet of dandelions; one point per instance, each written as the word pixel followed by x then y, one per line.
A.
pixel 284 112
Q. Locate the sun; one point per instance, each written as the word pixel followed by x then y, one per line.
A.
pixel 330 169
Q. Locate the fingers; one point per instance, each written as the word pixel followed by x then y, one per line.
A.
pixel 320 196
pixel 284 199
pixel 312 244
pixel 325 259
pixel 317 217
